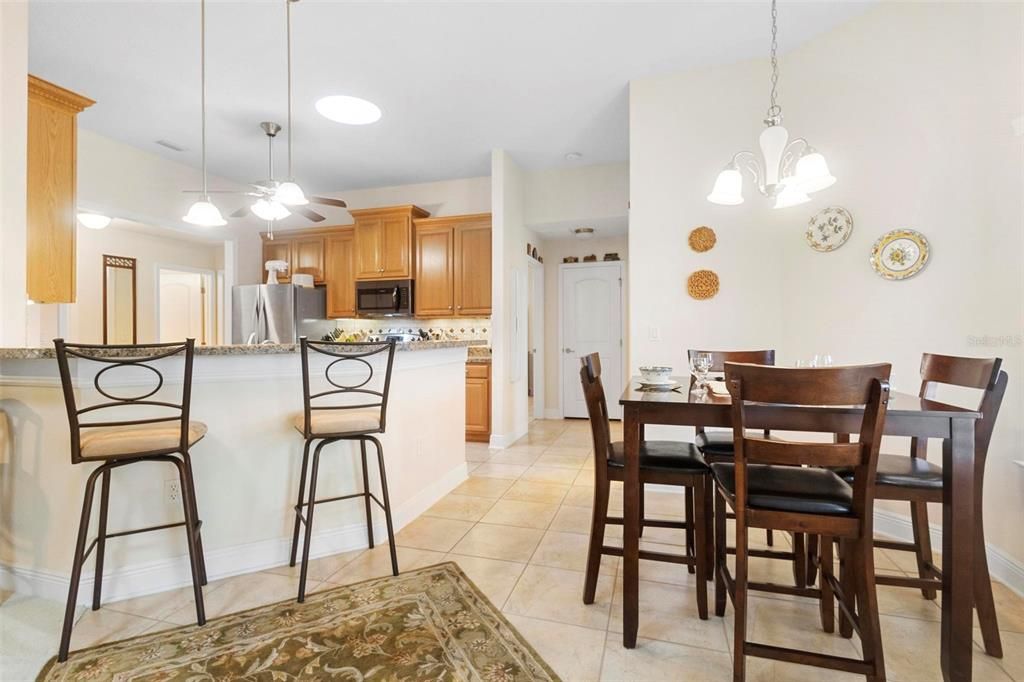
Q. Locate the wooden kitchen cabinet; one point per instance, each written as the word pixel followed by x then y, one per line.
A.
pixel 478 401
pixel 340 274
pixel 51 183
pixel 383 241
pixel 473 269
pixel 453 266
pixel 307 257
pixel 435 271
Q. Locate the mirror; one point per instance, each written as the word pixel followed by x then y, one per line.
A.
pixel 119 326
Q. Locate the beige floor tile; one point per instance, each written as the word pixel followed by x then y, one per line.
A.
pixel 532 491
pixel 499 542
pixel 790 624
pixel 572 462
pixel 550 474
pixel 537 438
pixel 906 602
pixel 653 661
pixel 460 507
pixel 494 577
pixel 1009 608
pixel 556 594
pixel 160 605
pixel 433 533
pixel 376 563
pixel 518 455
pixel 580 496
pixel 497 470
pixel 911 650
pixel 519 513
pixel 1013 653
pixel 478 486
pixel 569 551
pixel 584 477
pixel 571 519
pixel 573 652
pixel 669 613
pixel 471 466
pixel 764 670
pixel 244 592
pixel 107 625
pixel 321 568
pixel 660 571
pixel 477 452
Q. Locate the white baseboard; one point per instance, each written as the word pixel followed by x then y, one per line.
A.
pixel 166 574
pixel 502 441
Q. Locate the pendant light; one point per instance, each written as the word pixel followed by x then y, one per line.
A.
pixel 203 213
pixel 288 192
pixel 787 171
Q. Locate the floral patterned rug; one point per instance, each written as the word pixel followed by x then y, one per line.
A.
pixel 428 624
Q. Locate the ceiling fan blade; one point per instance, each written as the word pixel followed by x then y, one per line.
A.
pixel 327 201
pixel 241 213
pixel 311 215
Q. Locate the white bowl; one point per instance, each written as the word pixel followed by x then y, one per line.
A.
pixel 656 374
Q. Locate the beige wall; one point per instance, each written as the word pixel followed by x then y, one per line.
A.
pixel 85 318
pixel 913 104
pixel 13 123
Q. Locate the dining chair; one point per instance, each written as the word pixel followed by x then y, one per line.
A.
pixel 915 480
pixel 329 415
pixel 662 462
pixel 165 435
pixel 787 485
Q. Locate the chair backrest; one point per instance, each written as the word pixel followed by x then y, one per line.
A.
pixel 804 390
pixel 124 356
pixel 347 355
pixel 981 373
pixel 597 410
pixel 720 357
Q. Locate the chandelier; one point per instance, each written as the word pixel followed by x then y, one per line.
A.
pixel 788 170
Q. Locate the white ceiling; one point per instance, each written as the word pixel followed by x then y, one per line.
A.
pixel 454 79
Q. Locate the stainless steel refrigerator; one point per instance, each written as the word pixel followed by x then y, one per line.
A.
pixel 278 313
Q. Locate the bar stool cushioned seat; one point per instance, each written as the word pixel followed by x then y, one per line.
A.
pixel 331 422
pixel 664 455
pixel 793 489
pixel 903 470
pixel 113 442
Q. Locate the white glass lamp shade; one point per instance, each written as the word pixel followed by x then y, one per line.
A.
pixel 269 210
pixel 728 189
pixel 790 196
pixel 94 221
pixel 812 173
pixel 204 214
pixel 290 194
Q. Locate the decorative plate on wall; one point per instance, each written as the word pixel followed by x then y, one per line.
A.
pixel 829 229
pixel 702 239
pixel 900 254
pixel 702 285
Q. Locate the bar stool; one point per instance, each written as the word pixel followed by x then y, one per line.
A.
pixel 117 442
pixel 330 423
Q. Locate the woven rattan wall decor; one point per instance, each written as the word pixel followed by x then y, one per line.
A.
pixel 702 239
pixel 702 285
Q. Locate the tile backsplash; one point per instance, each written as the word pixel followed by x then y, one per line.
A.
pixel 461 328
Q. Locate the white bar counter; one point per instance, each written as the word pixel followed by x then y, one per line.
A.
pixel 246 468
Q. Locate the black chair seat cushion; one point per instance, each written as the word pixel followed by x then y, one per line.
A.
pixel 790 489
pixel 661 455
pixel 715 443
pixel 904 471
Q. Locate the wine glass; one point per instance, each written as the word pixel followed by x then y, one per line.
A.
pixel 822 360
pixel 700 365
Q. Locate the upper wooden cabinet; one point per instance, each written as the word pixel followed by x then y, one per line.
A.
pixel 384 243
pixel 453 266
pixel 51 197
pixel 340 275
pixel 307 257
pixel 277 249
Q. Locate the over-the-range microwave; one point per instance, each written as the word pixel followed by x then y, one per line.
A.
pixel 387 298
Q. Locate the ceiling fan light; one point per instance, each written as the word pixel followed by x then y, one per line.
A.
pixel 204 214
pixel 812 173
pixel 728 189
pixel 269 210
pixel 790 196
pixel 94 221
pixel 290 194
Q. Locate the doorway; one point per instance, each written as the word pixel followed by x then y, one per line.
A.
pixel 535 340
pixel 187 306
pixel 590 321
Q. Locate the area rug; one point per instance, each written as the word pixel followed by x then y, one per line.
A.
pixel 428 624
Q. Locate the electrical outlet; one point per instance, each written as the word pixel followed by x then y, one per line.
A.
pixel 172 490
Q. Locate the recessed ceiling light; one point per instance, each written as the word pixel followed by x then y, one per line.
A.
pixel 352 110
pixel 573 156
pixel 94 221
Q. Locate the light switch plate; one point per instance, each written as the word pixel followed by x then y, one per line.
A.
pixel 654 333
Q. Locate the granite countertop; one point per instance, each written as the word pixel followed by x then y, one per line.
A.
pixel 239 349
pixel 479 354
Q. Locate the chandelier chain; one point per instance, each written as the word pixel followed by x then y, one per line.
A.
pixel 774 116
pixel 288 22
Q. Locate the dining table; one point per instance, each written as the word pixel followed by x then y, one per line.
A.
pixel 907 415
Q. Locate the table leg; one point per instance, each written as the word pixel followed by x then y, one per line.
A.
pixel 957 551
pixel 631 528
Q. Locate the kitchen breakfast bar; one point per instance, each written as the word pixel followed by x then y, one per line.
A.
pixel 246 467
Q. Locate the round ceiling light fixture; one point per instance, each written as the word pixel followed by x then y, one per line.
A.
pixel 583 232
pixel 94 221
pixel 351 110
pixel 573 156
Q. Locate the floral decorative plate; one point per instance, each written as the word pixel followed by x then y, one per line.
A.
pixel 899 254
pixel 829 228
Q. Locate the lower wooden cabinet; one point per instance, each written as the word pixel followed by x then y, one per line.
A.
pixel 478 401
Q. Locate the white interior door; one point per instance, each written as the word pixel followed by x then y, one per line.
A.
pixel 591 322
pixel 183 306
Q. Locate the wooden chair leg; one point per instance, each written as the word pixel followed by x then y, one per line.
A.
pixel 983 600
pixel 101 540
pixel 739 603
pixel 597 525
pixel 699 556
pixel 826 605
pixel 76 566
pixel 867 607
pixel 811 572
pixel 366 495
pixel 769 537
pixel 922 538
pixel 709 525
pixel 720 553
pixel 847 582
pixel 191 528
pixel 387 506
pixel 690 535
pixel 799 560
pixel 302 498
pixel 304 567
pixel 643 514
